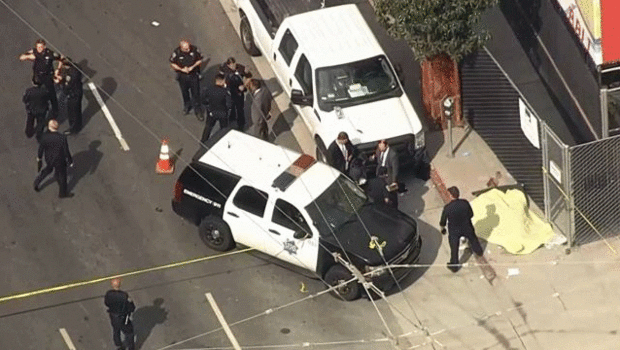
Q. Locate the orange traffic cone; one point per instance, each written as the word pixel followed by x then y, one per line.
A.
pixel 165 164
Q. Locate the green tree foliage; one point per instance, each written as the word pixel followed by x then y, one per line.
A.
pixel 434 27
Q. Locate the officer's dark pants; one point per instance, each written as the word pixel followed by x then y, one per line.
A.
pixel 238 112
pixel 190 90
pixel 60 173
pixel 210 123
pixel 74 110
pixel 48 81
pixel 118 326
pixel 35 124
pixel 454 240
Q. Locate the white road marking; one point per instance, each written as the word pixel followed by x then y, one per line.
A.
pixel 108 116
pixel 67 339
pixel 220 318
pixel 299 129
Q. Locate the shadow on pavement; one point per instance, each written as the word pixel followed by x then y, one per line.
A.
pixel 146 318
pixel 85 162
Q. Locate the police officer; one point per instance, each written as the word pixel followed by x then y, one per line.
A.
pixel 37 101
pixel 219 104
pixel 120 308
pixel 57 156
pixel 69 77
pixel 43 69
pixel 186 60
pixel 235 74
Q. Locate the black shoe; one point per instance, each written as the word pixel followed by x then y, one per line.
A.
pixel 186 110
pixel 36 188
pixel 68 195
pixel 453 267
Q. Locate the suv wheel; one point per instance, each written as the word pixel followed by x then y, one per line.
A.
pixel 338 274
pixel 247 38
pixel 216 234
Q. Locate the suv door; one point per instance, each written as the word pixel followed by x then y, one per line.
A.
pixel 283 51
pixel 284 221
pixel 244 213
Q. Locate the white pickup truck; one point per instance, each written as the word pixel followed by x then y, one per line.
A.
pixel 336 74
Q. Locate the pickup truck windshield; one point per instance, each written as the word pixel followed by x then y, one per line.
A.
pixel 336 206
pixel 356 83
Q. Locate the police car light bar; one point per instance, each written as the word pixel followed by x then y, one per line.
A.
pixel 301 164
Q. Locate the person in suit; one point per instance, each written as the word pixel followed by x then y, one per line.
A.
pixel 37 101
pixel 341 152
pixel 458 214
pixel 387 169
pixel 57 156
pixel 120 307
pixel 260 110
pixel 219 104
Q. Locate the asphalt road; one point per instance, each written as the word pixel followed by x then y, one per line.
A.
pixel 120 218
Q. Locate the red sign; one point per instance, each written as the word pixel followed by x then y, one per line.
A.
pixel 610 27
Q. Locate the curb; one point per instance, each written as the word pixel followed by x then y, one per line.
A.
pixel 440 185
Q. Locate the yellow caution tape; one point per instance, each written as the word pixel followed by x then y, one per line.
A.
pixel 126 274
pixel 373 245
pixel 303 288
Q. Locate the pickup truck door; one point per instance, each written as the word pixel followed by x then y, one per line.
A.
pixel 284 220
pixel 244 213
pixel 282 53
pixel 302 79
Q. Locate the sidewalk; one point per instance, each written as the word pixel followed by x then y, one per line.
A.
pixel 544 300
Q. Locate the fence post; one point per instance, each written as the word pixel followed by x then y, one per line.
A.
pixel 570 203
pixel 545 170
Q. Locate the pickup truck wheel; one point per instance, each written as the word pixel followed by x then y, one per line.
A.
pixel 338 274
pixel 216 234
pixel 247 38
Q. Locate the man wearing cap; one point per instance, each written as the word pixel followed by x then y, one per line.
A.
pixel 120 307
pixel 57 156
pixel 69 77
pixel 185 61
pixel 37 101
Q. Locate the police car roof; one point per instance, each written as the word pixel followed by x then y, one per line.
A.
pixel 259 163
pixel 334 35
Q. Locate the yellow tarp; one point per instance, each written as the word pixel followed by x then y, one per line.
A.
pixel 504 219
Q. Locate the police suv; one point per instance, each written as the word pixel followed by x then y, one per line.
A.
pixel 242 190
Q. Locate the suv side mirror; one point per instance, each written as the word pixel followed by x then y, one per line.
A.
pixel 298 98
pixel 301 235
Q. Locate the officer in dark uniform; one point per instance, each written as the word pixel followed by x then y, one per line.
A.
pixel 69 77
pixel 235 73
pixel 186 60
pixel 57 156
pixel 219 104
pixel 120 308
pixel 37 101
pixel 43 69
pixel 458 214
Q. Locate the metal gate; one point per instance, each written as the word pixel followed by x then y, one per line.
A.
pixel 595 189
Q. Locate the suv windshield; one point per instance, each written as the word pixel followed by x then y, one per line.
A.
pixel 336 206
pixel 355 83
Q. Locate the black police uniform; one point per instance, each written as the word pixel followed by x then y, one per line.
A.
pixel 234 79
pixel 72 93
pixel 458 214
pixel 120 308
pixel 43 72
pixel 37 101
pixel 219 104
pixel 189 82
pixel 57 156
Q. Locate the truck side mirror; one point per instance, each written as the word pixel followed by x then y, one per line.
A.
pixel 301 235
pixel 298 98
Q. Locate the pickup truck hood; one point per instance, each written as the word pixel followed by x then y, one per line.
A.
pixel 377 120
pixel 384 222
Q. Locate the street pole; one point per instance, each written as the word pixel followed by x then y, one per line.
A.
pixel 450 152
